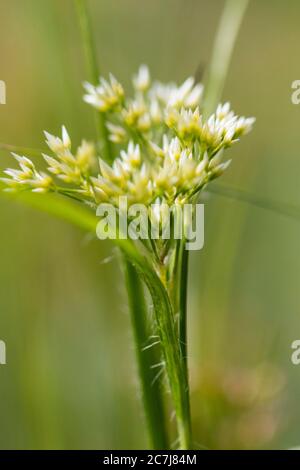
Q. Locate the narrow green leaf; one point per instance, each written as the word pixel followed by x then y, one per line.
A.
pixel 240 195
pixel 93 71
pixel 228 29
pixel 21 150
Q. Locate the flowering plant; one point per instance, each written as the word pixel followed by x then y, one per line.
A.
pixel 156 147
pixel 166 152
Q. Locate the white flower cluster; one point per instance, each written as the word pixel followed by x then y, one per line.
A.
pixel 165 149
pixel 144 114
pixel 172 175
pixel 221 130
pixel 106 96
pixel 72 169
pixel 27 177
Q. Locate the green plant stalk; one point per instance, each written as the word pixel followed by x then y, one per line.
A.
pixel 183 304
pixel 228 29
pixel 152 397
pixel 178 296
pixel 172 356
pixel 178 291
pixel 153 408
pixel 92 67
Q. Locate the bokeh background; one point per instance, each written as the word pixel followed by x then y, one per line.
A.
pixel 70 378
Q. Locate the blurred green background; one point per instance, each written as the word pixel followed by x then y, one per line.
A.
pixel 70 378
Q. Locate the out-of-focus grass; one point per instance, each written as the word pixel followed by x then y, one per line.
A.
pixel 70 381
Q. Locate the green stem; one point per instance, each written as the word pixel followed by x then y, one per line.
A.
pixel 172 356
pixel 92 67
pixel 228 29
pixel 183 304
pixel 179 300
pixel 151 396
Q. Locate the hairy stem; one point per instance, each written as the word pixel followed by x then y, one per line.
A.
pixel 183 303
pixel 172 355
pixel 154 410
pixel 179 301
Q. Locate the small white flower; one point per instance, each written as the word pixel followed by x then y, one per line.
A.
pixel 85 157
pixel 116 133
pixel 243 126
pixel 141 81
pixel 186 95
pixel 133 112
pixel 66 166
pixel 131 157
pixel 56 144
pixel 28 177
pixel 105 96
pixel 155 112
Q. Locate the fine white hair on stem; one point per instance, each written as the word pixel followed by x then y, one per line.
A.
pixel 151 345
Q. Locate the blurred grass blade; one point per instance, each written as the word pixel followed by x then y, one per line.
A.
pixel 21 150
pixel 56 206
pixel 240 195
pixel 87 40
pixel 70 212
pixel 93 71
pixel 228 29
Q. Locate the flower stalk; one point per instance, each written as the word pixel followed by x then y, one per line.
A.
pixel 173 358
pixel 153 408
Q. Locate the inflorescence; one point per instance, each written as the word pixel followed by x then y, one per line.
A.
pixel 166 151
